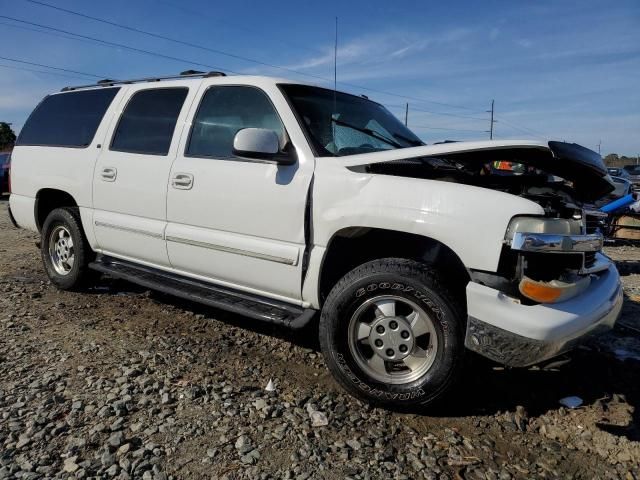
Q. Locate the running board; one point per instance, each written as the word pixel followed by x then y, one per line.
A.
pixel 242 303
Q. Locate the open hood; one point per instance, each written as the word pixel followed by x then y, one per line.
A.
pixel 579 165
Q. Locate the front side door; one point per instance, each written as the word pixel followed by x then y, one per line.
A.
pixel 236 221
pixel 131 174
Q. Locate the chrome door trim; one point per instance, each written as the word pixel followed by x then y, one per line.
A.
pixel 129 230
pixel 236 251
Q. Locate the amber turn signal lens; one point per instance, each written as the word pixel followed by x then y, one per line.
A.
pixel 539 291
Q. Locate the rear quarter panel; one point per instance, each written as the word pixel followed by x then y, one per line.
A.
pixel 34 168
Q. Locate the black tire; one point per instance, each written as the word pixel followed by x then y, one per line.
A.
pixel 79 276
pixel 407 279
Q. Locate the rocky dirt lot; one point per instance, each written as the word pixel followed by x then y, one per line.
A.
pixel 119 382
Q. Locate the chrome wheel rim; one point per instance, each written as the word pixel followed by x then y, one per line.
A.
pixel 61 250
pixel 392 339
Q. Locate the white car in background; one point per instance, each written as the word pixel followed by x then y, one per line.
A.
pixel 286 202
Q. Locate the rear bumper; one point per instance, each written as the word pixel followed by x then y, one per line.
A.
pixel 502 329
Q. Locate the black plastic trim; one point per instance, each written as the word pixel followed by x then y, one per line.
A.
pixel 224 298
pixel 12 218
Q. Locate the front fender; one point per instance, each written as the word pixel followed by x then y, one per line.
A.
pixel 470 220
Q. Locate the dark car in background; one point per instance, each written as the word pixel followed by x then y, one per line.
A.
pixel 623 187
pixel 634 175
pixel 5 160
pixel 618 172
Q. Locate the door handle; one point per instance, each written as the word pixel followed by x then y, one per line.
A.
pixel 182 181
pixel 109 174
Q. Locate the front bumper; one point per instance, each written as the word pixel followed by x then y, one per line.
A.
pixel 502 329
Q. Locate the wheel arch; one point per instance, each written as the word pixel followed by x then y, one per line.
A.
pixel 47 200
pixel 353 246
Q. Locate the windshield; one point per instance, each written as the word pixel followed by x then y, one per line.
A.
pixel 340 124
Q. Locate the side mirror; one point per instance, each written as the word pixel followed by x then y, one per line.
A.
pixel 261 144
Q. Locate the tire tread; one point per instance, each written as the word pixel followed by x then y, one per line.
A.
pixel 426 275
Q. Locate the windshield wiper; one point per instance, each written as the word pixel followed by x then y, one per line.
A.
pixel 410 141
pixel 368 131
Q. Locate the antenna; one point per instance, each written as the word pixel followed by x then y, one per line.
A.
pixel 335 60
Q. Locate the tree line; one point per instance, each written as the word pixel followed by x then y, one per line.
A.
pixel 615 160
pixel 7 136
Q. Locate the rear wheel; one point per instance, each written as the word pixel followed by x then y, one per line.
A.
pixel 65 251
pixel 392 334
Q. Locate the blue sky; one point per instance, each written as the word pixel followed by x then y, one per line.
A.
pixel 556 69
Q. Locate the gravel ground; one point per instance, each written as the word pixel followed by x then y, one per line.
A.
pixel 121 382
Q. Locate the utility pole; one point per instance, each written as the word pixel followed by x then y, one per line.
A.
pixel 335 60
pixel 599 144
pixel 406 115
pixel 492 121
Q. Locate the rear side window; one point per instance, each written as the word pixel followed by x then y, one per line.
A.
pixel 67 119
pixel 147 123
pixel 225 110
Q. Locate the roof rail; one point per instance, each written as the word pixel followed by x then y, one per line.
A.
pixel 107 82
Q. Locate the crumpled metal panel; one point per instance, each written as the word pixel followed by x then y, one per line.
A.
pixel 505 347
pixel 514 350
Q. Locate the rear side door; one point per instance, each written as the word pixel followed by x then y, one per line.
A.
pixel 132 171
pixel 237 221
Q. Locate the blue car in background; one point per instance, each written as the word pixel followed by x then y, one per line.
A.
pixel 5 159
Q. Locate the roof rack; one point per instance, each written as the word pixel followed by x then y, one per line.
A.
pixel 107 82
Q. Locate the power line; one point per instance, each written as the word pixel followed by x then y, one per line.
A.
pixel 15 67
pixel 201 14
pixel 420 127
pixel 222 52
pixel 98 76
pixel 120 45
pixel 173 40
pixel 526 130
pixel 37 30
pixel 54 68
pixel 408 97
pixel 445 114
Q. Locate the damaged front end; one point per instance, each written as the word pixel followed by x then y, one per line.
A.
pixel 553 285
pixel 554 288
pixel 546 259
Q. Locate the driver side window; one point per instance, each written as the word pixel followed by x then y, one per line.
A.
pixel 225 110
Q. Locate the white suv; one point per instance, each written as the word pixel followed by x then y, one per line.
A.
pixel 278 200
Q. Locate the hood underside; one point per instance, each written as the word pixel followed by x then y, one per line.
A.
pixel 582 168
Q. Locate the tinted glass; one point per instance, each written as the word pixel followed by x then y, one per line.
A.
pixel 340 124
pixel 147 123
pixel 67 119
pixel 225 110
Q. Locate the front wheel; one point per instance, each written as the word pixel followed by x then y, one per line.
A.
pixel 392 333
